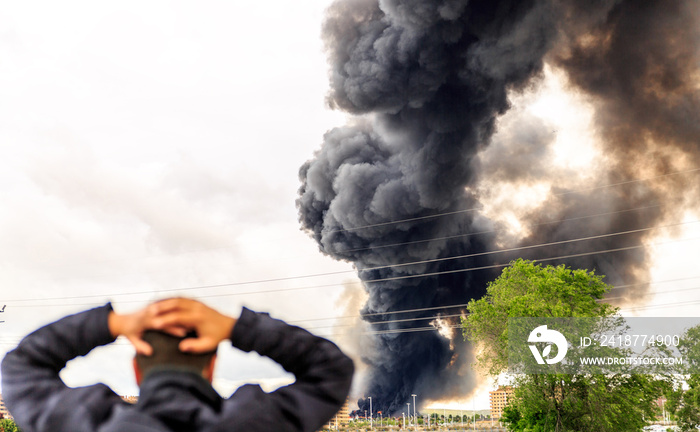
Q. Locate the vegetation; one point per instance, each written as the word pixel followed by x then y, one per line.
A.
pixel 556 402
pixel 685 403
pixel 684 400
pixel 7 425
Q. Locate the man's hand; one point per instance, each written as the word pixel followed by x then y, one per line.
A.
pixel 132 327
pixel 180 313
pixel 175 316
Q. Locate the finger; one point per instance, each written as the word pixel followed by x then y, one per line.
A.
pixel 198 345
pixel 166 306
pixel 142 347
pixel 178 302
pixel 171 320
pixel 177 331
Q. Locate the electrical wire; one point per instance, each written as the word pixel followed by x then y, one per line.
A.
pixel 519 248
pixel 391 321
pixel 462 305
pixel 431 328
pixel 387 312
pixel 271 280
pixel 434 317
pixel 425 261
pixel 388 279
pixel 261 281
pixel 626 182
pixel 494 231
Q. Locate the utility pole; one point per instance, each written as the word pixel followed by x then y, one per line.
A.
pixel 371 416
pixel 663 409
pixel 415 416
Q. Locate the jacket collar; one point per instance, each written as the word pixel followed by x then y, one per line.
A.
pixel 176 396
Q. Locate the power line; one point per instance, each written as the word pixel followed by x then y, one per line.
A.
pixel 413 219
pixel 434 317
pixel 462 305
pixel 388 279
pixel 388 312
pixel 662 305
pixel 287 278
pixel 437 238
pixel 466 304
pixel 493 231
pixel 406 264
pixel 519 248
pixel 655 282
pixel 392 321
pixel 230 284
pixel 561 257
pixel 411 330
pixel 433 328
pixel 493 266
pixel 648 293
pixel 435 215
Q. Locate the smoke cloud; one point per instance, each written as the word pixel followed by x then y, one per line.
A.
pixel 427 82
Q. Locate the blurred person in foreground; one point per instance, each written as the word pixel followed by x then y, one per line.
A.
pixel 175 341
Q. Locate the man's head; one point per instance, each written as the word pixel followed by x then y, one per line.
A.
pixel 167 356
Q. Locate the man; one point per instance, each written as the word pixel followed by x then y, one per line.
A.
pixel 174 396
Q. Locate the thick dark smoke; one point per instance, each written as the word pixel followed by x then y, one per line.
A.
pixel 427 82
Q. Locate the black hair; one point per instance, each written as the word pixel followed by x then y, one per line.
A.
pixel 167 355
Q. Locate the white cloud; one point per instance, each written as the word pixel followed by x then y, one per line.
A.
pixel 153 148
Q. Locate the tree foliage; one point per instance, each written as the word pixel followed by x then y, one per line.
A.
pixel 8 425
pixel 556 402
pixel 525 289
pixel 582 403
pixel 684 401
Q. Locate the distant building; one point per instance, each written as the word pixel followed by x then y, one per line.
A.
pixel 341 419
pixel 3 410
pixel 130 399
pixel 499 400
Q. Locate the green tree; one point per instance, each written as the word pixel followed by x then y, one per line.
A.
pixel 555 402
pixel 8 425
pixel 684 401
pixel 525 289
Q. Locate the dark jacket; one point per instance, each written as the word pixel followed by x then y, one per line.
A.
pixel 174 400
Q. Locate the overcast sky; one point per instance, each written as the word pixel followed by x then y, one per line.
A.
pixel 151 149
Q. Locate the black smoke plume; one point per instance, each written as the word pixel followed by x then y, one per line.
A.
pixel 427 81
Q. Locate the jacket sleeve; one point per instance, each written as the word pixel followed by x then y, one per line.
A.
pixel 323 375
pixel 32 389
